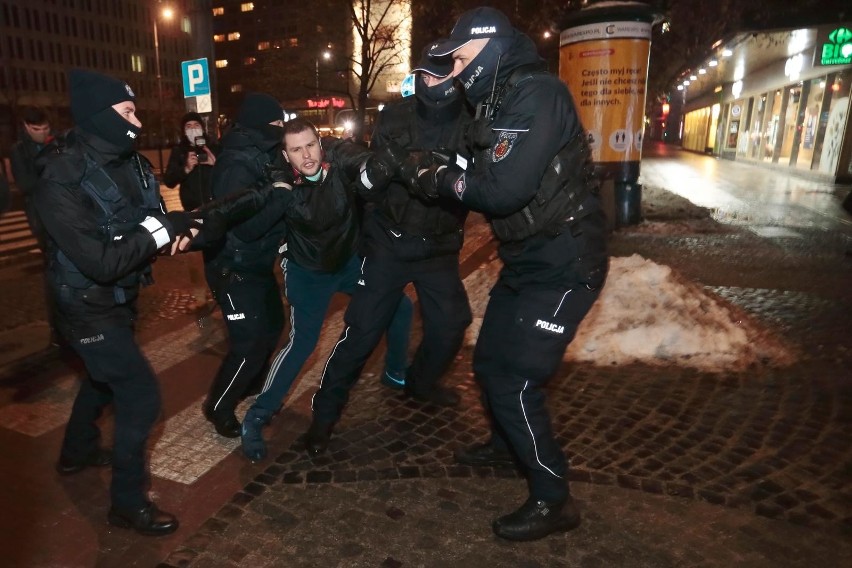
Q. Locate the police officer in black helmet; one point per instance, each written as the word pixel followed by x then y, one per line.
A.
pixel 532 178
pixel 100 206
pixel 408 238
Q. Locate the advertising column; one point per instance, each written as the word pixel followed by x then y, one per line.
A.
pixel 603 58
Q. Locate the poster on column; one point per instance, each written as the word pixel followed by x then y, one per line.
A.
pixel 605 66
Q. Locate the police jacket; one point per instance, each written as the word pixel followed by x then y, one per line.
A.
pixel 92 202
pixel 196 186
pixel 401 224
pixel 252 245
pixel 533 178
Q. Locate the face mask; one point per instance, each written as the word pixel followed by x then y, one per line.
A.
pixel 193 133
pixel 113 128
pixel 436 93
pixel 478 77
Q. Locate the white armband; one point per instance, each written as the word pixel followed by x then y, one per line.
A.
pixel 160 233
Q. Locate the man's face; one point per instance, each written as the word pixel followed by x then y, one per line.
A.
pixel 466 53
pixel 303 151
pixel 127 110
pixel 192 124
pixel 38 132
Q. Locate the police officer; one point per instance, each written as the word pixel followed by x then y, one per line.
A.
pixel 100 206
pixel 407 239
pixel 240 271
pixel 323 222
pixel 532 178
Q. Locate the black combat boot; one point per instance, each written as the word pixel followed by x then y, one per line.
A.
pixel 318 436
pixel 439 396
pixel 226 425
pixel 148 520
pixel 536 519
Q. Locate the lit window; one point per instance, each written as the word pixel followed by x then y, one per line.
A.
pixel 136 63
pixel 218 37
pixel 220 11
pixel 263 46
pixel 233 36
pixel 236 88
pixel 247 6
pixel 185 25
pixel 221 63
pixel 294 42
pixel 249 60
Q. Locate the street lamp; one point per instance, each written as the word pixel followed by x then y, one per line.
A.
pixel 325 55
pixel 167 14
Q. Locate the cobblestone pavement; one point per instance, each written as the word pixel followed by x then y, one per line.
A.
pixel 672 467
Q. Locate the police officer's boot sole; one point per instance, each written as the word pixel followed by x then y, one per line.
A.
pixel 537 519
pixel 317 437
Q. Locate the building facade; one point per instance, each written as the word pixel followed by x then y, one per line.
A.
pixel 780 98
pixel 41 39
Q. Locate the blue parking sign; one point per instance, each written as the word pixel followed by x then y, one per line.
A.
pixel 196 77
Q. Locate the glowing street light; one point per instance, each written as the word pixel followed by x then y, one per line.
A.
pixel 325 55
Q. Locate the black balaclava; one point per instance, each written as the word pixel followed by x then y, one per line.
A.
pixel 438 94
pixel 478 77
pixel 92 97
pixel 257 111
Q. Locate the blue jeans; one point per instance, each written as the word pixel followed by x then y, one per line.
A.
pixel 309 294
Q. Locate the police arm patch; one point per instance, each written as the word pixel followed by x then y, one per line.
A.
pixel 505 141
pixel 459 186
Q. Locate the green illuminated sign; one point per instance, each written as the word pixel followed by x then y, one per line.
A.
pixel 837 50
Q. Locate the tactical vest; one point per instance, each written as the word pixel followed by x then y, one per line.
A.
pixel 408 213
pixel 115 216
pixel 567 182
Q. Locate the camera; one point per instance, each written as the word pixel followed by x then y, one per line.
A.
pixel 200 143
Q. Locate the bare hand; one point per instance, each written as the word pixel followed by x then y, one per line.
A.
pixel 211 157
pixel 191 161
pixel 181 244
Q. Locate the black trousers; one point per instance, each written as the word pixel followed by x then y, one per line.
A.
pixel 254 316
pixel 521 343
pixel 118 374
pixel 445 311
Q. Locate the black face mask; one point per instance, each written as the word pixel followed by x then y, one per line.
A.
pixel 478 77
pixel 437 93
pixel 113 128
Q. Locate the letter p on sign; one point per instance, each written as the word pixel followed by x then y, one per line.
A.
pixel 196 77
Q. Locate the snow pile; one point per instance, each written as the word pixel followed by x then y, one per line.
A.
pixel 650 314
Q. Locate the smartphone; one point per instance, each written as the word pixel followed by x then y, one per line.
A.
pixel 200 143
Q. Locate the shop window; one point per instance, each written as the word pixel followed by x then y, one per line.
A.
pixel 794 96
pixel 770 126
pixel 810 124
pixel 832 122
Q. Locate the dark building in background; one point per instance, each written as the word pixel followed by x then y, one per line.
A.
pixel 41 39
pixel 293 51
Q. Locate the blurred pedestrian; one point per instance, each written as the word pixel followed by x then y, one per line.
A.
pixel 408 239
pixel 191 163
pixel 531 176
pixel 102 213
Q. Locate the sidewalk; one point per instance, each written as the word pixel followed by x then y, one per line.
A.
pixel 671 467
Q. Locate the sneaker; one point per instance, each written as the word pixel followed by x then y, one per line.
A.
pixel 393 379
pixel 251 433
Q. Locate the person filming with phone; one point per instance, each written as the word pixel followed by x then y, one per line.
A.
pixel 191 163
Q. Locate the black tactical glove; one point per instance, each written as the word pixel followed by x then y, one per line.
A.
pixel 447 157
pixel 383 165
pixel 415 164
pixel 391 156
pixel 478 135
pixel 279 176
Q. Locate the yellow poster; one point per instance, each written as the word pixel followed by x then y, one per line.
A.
pixel 605 66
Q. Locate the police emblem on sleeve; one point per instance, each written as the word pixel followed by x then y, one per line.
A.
pixel 505 141
pixel 459 186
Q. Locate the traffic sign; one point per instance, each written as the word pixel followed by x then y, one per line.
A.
pixel 196 77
